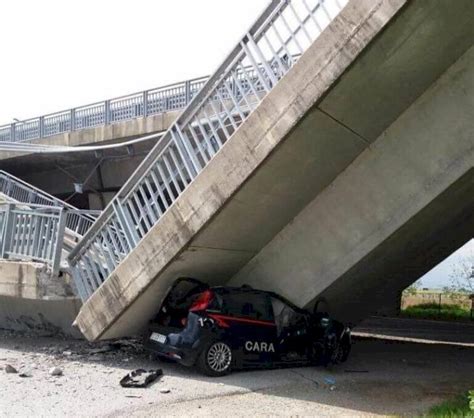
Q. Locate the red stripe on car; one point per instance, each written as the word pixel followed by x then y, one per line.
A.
pixel 224 318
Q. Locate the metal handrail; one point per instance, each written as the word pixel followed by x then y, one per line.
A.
pixel 33 233
pixel 20 191
pixel 142 104
pixel 271 47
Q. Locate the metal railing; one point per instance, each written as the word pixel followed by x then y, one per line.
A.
pixel 264 55
pixel 146 103
pixel 77 221
pixel 34 233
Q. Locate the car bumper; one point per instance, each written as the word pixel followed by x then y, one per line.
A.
pixel 177 352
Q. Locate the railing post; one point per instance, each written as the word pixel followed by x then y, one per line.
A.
pixel 107 112
pixel 12 132
pixel 186 148
pixel 73 119
pixel 58 248
pixel 7 231
pixel 41 126
pixel 9 187
pixel 187 87
pixel 183 149
pixel 31 197
pixel 145 104
pixel 126 223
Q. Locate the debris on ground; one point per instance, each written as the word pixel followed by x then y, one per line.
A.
pixel 104 349
pixel 165 390
pixel 25 373
pixel 330 382
pixel 140 378
pixel 10 369
pixel 55 371
pixel 127 344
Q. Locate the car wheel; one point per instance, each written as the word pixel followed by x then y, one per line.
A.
pixel 346 348
pixel 216 359
pixel 341 352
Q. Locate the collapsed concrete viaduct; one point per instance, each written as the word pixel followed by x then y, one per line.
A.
pixel 352 178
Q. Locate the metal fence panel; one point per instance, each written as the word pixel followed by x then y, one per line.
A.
pixel 77 221
pixel 35 233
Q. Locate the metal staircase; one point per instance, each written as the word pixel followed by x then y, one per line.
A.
pixel 280 35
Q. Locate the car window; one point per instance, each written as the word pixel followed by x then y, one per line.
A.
pixel 285 315
pixel 183 293
pixel 246 304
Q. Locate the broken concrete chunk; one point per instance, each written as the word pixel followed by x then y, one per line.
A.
pixel 10 369
pixel 55 371
pixel 26 373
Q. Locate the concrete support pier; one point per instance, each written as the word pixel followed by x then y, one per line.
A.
pixel 31 300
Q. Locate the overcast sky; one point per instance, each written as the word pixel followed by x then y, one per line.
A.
pixel 58 54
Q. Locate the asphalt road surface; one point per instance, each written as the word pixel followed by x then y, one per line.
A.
pixel 382 377
pixel 418 330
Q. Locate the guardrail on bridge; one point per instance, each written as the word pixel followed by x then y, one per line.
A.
pixel 146 103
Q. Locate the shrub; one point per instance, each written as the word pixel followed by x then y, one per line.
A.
pixel 460 406
pixel 435 311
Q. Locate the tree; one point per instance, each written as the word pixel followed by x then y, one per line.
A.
pixel 414 287
pixel 462 276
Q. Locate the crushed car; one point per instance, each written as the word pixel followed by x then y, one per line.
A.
pixel 219 329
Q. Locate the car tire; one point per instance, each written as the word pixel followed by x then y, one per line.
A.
pixel 346 348
pixel 215 359
pixel 342 351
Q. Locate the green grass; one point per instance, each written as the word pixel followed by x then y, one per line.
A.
pixel 433 311
pixel 452 408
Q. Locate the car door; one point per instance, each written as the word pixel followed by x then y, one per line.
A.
pixel 252 327
pixel 292 327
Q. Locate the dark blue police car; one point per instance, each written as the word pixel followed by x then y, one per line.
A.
pixel 219 329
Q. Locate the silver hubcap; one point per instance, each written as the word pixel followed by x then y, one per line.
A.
pixel 219 357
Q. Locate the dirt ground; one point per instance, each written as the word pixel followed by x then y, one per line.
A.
pixel 381 378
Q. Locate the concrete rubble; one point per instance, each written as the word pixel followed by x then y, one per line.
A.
pixel 10 369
